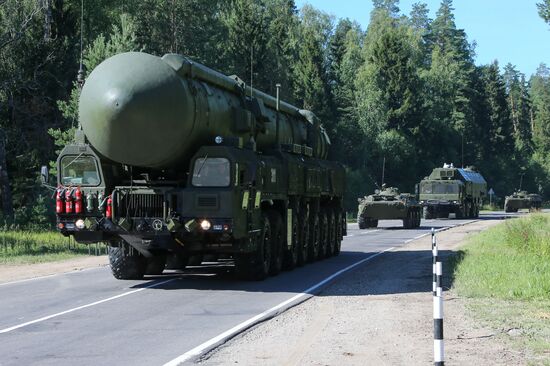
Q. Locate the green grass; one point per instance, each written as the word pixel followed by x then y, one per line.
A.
pixel 25 247
pixel 505 271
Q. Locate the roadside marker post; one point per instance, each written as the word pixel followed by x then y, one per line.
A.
pixel 437 293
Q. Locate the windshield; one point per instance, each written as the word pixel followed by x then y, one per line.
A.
pixel 79 170
pixel 439 188
pixel 211 172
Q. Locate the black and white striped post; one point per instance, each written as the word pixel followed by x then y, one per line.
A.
pixel 437 270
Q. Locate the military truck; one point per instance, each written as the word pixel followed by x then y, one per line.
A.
pixel 388 204
pixel 522 199
pixel 452 190
pixel 175 160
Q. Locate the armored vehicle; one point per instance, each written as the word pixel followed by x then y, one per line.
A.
pixel 522 199
pixel 175 160
pixel 388 204
pixel 452 190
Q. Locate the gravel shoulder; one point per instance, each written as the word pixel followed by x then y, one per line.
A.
pixel 380 314
pixel 10 273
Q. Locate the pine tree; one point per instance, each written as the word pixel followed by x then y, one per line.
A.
pixel 311 87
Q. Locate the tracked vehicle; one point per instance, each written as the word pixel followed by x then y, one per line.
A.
pixel 175 160
pixel 388 204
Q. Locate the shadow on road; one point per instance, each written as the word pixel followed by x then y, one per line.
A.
pixel 389 273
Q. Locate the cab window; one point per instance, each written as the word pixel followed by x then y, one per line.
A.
pixel 211 172
pixel 79 170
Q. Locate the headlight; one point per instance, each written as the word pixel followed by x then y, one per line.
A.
pixel 80 224
pixel 205 225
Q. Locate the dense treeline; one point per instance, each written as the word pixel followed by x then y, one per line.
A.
pixel 405 91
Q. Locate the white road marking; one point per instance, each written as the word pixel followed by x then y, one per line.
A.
pixel 6 330
pixel 221 338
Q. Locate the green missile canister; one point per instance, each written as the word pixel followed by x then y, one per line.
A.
pixel 143 110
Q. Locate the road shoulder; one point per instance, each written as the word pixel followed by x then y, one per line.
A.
pixel 379 314
pixel 19 272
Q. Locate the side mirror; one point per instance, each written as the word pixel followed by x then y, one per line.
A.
pixel 44 174
pixel 416 191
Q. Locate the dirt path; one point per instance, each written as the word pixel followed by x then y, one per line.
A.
pixel 380 314
pixel 9 273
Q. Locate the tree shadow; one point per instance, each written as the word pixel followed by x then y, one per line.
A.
pixel 404 271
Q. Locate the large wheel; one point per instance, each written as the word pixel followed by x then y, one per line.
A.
pixel 303 246
pixel 427 213
pixel 407 221
pixel 156 264
pixel 256 266
pixel 126 262
pixel 340 222
pixel 291 254
pixel 278 243
pixel 323 235
pixel 176 261
pixel 362 222
pixel 332 228
pixel 313 246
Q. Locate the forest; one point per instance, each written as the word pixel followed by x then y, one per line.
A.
pixel 404 95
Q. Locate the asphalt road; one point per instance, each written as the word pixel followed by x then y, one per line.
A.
pixel 89 318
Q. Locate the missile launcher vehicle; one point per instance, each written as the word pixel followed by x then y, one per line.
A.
pixel 522 200
pixel 452 190
pixel 175 161
pixel 389 204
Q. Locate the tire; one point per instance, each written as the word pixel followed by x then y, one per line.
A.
pixel 331 233
pixel 427 213
pixel 126 262
pixel 278 243
pixel 291 255
pixel 256 266
pixel 313 245
pixel 195 260
pixel 176 261
pixel 323 235
pixel 156 264
pixel 407 221
pixel 303 247
pixel 362 223
pixel 340 222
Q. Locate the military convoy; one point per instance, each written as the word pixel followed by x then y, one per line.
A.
pixel 522 200
pixel 175 160
pixel 388 204
pixel 452 190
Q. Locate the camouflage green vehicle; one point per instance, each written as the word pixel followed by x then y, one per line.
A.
pixel 388 204
pixel 521 199
pixel 176 161
pixel 452 190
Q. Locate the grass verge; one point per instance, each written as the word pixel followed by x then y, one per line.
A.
pixel 26 247
pixel 505 271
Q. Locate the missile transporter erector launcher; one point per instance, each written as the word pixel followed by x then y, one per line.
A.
pixel 389 204
pixel 177 160
pixel 522 199
pixel 452 190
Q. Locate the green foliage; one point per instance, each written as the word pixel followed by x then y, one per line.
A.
pixel 544 10
pixel 34 246
pixel 509 261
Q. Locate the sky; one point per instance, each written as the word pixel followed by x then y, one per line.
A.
pixel 509 31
